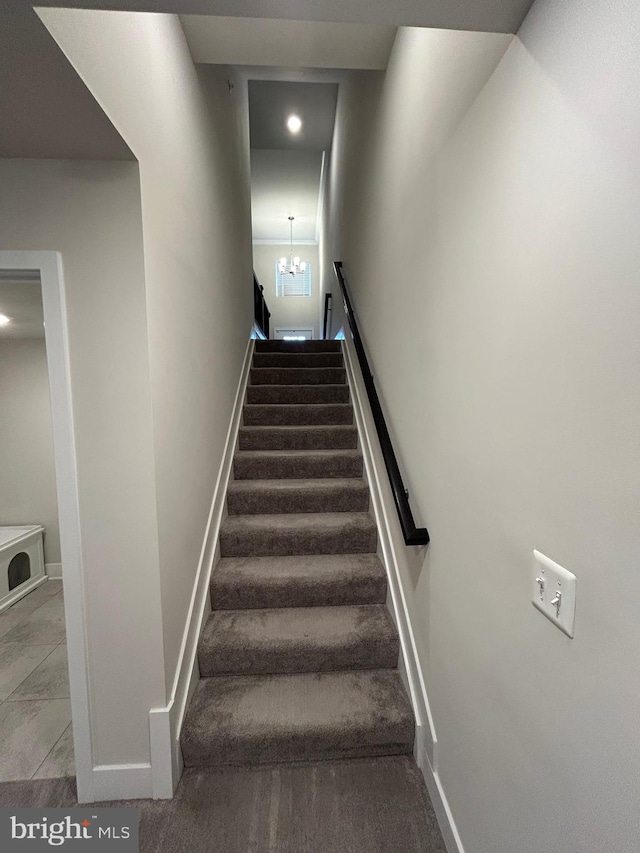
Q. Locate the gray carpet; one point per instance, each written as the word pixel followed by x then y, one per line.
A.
pixel 296 464
pixel 314 580
pixel 298 533
pixel 300 697
pixel 318 413
pixel 259 497
pixel 298 660
pixel 325 437
pixel 286 394
pixel 377 805
pixel 298 639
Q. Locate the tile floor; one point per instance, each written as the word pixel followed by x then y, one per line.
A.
pixel 35 712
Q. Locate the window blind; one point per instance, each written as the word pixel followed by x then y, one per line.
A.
pixel 293 285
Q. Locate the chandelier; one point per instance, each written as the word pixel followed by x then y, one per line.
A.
pixel 295 264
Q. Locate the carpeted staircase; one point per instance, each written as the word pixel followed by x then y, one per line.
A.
pixel 299 657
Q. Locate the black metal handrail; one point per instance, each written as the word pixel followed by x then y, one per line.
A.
pixel 260 311
pixel 412 535
pixel 328 309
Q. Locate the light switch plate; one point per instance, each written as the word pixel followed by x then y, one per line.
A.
pixel 554 592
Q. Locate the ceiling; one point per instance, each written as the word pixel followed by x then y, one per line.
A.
pixel 22 302
pixel 286 168
pixel 495 16
pixel 46 111
pixel 45 108
pixel 296 44
pixel 272 102
pixel 283 184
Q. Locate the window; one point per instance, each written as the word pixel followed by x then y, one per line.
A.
pixel 293 285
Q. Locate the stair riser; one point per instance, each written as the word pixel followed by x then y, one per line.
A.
pixel 284 593
pixel 330 715
pixel 302 438
pixel 277 543
pixel 265 502
pixel 296 468
pixel 222 660
pixel 298 346
pixel 297 394
pixel 300 376
pixel 284 359
pixel 332 746
pixel 293 415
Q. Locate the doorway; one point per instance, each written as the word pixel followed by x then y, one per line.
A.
pixel 290 334
pixel 43 672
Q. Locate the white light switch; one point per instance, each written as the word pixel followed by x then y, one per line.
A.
pixel 554 592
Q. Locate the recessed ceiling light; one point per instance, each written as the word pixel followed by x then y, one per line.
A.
pixel 294 123
pixel 4 319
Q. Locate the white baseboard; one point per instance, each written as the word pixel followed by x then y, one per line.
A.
pixel 439 801
pixel 384 511
pixel 165 723
pixel 121 782
pixel 53 570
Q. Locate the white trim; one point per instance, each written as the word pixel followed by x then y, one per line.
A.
pixel 426 743
pixel 121 782
pixel 166 766
pixel 321 189
pixel 383 516
pixel 439 802
pixel 284 242
pixel 293 329
pixel 20 592
pixel 165 723
pixel 53 570
pixel 257 333
pixel 49 267
pixel 28 529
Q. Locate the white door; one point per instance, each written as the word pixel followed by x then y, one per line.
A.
pixel 293 334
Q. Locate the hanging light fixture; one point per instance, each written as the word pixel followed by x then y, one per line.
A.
pixel 295 264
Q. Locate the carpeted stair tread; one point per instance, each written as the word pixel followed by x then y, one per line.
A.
pixel 267 497
pixel 298 639
pixel 297 359
pixel 298 438
pixel 296 464
pixel 298 581
pixel 298 394
pixel 303 533
pixel 292 414
pixel 261 719
pixel 298 346
pixel 299 656
pixel 298 375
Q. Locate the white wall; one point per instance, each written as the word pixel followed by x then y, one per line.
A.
pixel 28 491
pixel 90 213
pixel 189 131
pixel 288 311
pixel 507 356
